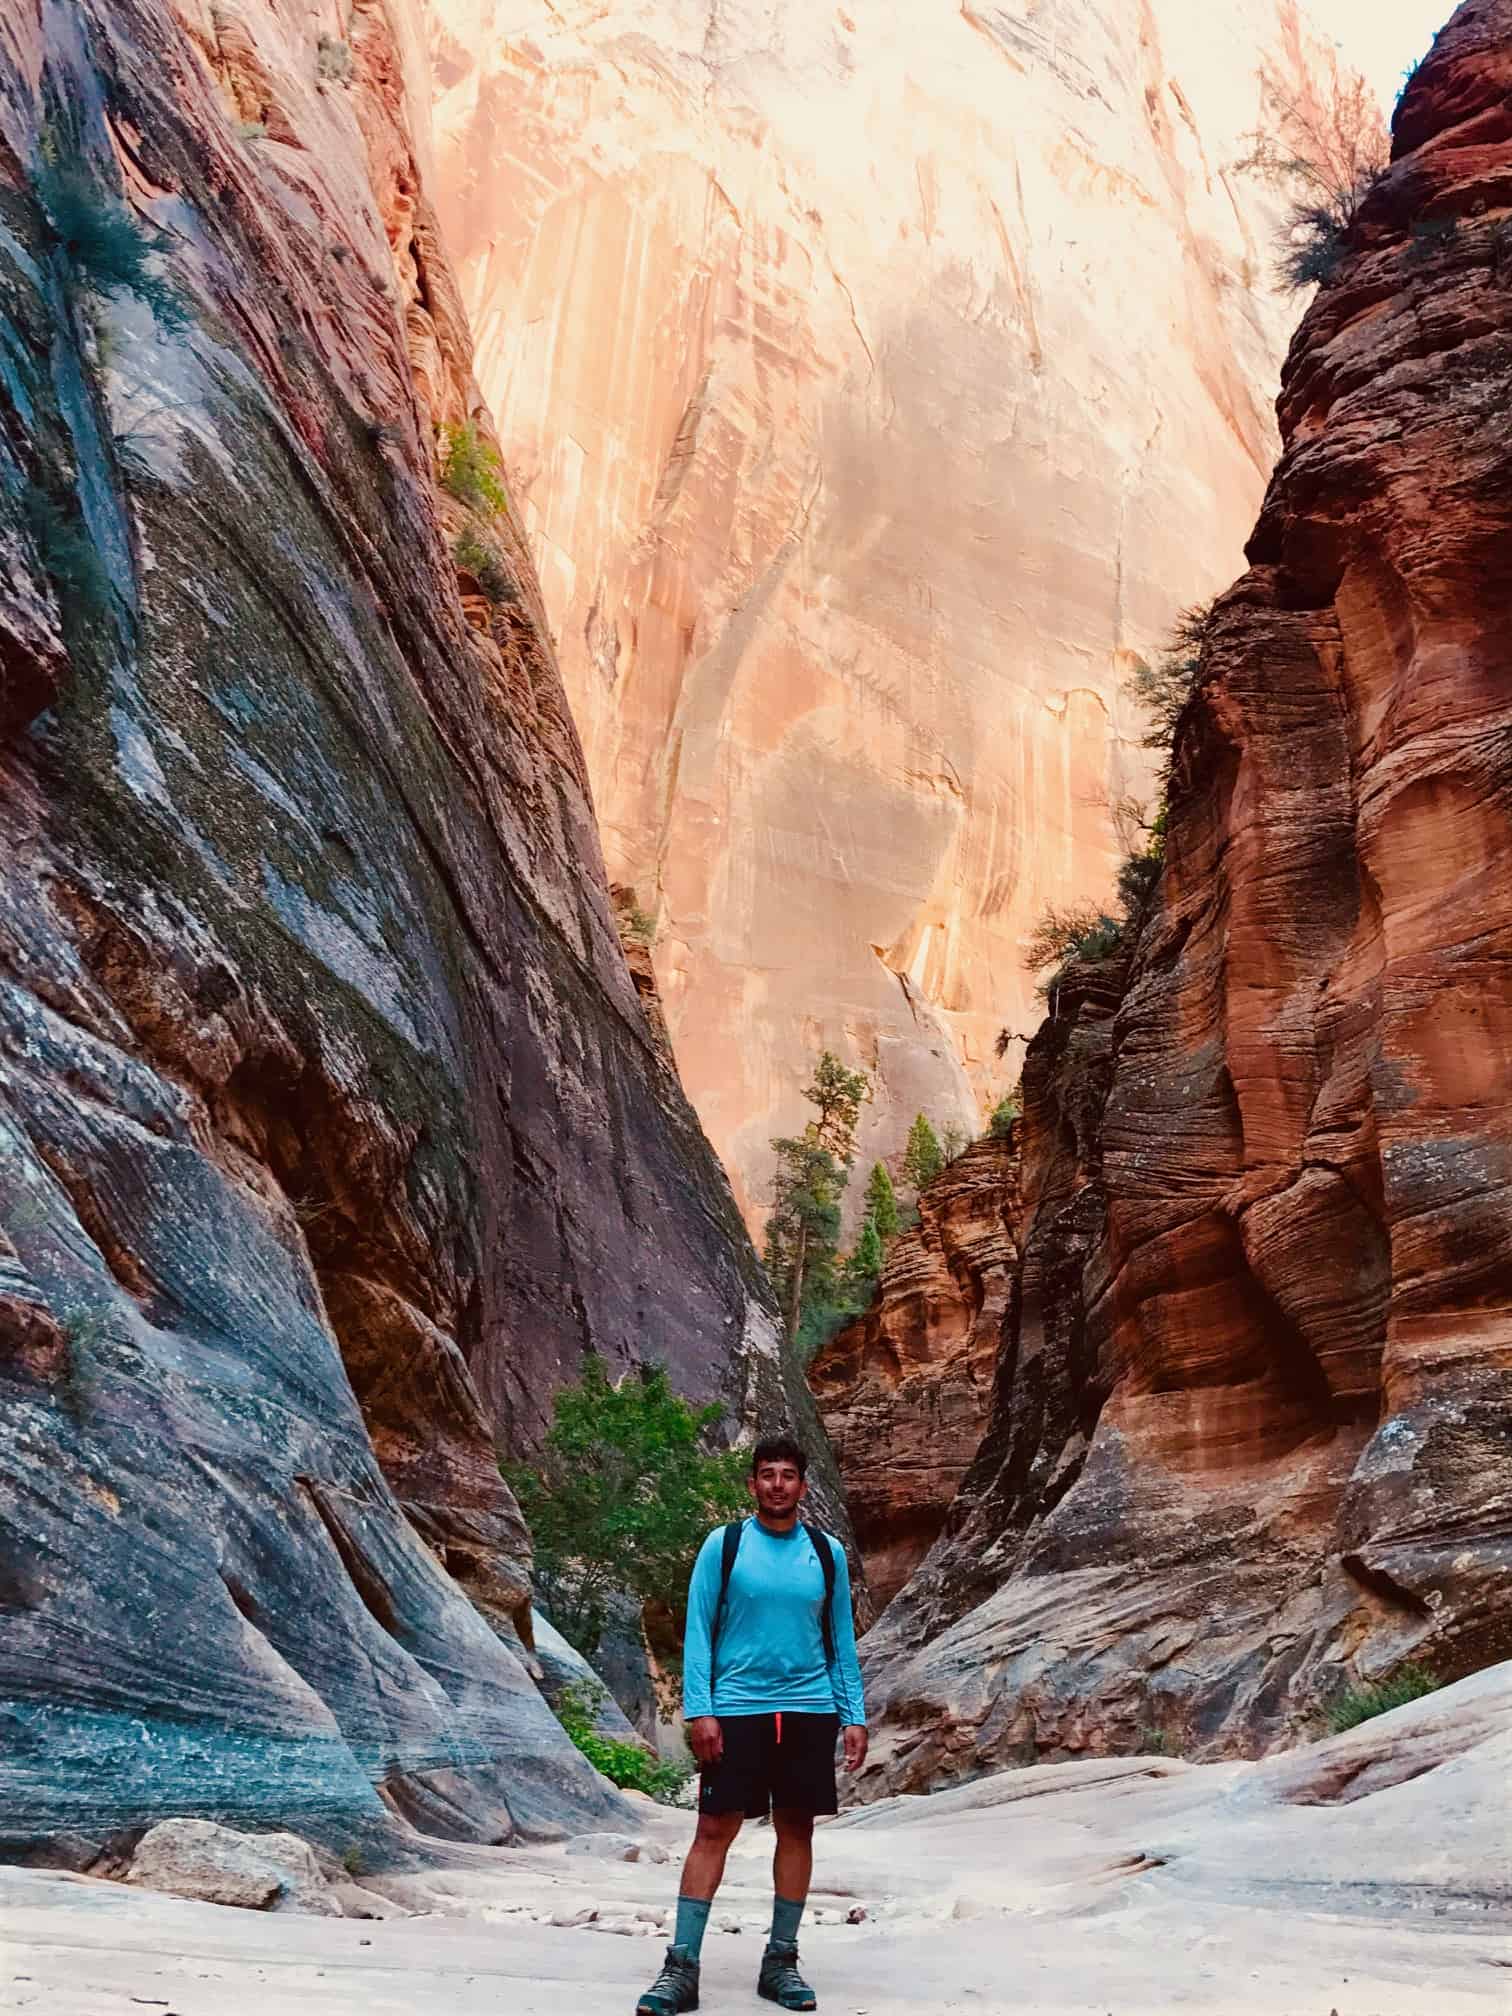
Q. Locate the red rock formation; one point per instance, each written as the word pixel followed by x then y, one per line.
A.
pixel 331 1128
pixel 904 1390
pixel 1253 1438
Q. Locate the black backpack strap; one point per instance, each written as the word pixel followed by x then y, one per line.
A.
pixel 824 1547
pixel 729 1548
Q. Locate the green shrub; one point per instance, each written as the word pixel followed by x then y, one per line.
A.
pixel 108 251
pixel 1360 1704
pixel 621 1497
pixel 628 1765
pixel 952 1142
pixel 1004 1114
pixel 640 925
pixel 333 60
pixel 471 470
pixel 68 556
pixel 477 557
pixel 251 129
pixel 1081 931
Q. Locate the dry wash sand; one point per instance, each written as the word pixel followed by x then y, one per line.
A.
pixel 1369 1876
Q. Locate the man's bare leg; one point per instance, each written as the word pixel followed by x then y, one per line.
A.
pixel 704 1868
pixel 793 1857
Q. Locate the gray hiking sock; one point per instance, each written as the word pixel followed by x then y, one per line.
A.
pixel 786 1914
pixel 692 1923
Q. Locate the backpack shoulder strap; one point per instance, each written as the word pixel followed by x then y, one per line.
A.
pixel 729 1548
pixel 824 1547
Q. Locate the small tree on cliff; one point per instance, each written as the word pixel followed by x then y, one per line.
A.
pixel 882 1202
pixel 1325 144
pixel 813 1168
pixel 621 1496
pixel 923 1158
pixel 863 1269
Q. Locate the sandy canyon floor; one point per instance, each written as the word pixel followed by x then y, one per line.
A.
pixel 1368 1875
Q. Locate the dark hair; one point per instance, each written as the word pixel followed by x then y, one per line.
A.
pixel 779 1449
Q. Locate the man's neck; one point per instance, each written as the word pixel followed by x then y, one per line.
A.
pixel 779 1526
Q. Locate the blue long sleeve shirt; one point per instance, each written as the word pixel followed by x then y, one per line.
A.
pixel 770 1651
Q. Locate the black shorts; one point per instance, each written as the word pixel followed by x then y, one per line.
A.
pixel 772 1760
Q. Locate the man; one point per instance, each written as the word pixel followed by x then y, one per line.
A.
pixel 769 1679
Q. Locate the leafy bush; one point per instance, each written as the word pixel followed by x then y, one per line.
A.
pixel 1360 1704
pixel 108 251
pixel 1079 931
pixel 477 557
pixel 1164 688
pixel 1004 1114
pixel 68 556
pixel 640 925
pixel 333 60
pixel 471 470
pixel 1137 878
pixel 621 1497
pixel 952 1142
pixel 1326 148
pixel 628 1765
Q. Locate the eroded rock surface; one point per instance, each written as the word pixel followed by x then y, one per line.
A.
pixel 905 1390
pixel 878 382
pixel 1252 1439
pixel 331 1129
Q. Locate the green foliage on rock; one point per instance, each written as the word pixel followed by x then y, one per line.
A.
pixel 1164 688
pixel 471 469
pixel 629 1765
pixel 477 557
pixel 882 1202
pixel 68 557
pixel 108 252
pixel 1362 1704
pixel 863 1268
pixel 803 1228
pixel 923 1158
pixel 621 1497
pixel 1006 1111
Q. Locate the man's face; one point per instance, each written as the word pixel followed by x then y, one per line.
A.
pixel 778 1489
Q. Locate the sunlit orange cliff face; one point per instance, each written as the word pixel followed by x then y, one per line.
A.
pixel 875 391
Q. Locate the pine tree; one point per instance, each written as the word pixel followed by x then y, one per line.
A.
pixel 882 1202
pixel 923 1159
pixel 864 1267
pixel 813 1168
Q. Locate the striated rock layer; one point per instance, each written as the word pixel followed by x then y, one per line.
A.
pixel 1252 1441
pixel 333 1132
pixel 878 382
pixel 904 1390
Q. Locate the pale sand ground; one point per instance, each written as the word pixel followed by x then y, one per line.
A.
pixel 1121 1888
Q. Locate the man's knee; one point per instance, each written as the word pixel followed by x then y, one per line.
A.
pixel 718 1830
pixel 792 1824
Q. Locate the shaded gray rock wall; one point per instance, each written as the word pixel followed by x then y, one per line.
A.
pixel 331 1130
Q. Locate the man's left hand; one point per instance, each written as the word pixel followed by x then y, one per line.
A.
pixel 854 1737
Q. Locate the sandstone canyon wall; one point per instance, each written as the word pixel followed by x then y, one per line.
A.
pixel 878 382
pixel 905 1390
pixel 333 1130
pixel 1253 1415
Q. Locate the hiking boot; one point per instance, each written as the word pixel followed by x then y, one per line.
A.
pixel 676 1988
pixel 780 1981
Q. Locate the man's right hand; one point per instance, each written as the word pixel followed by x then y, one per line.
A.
pixel 706 1739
